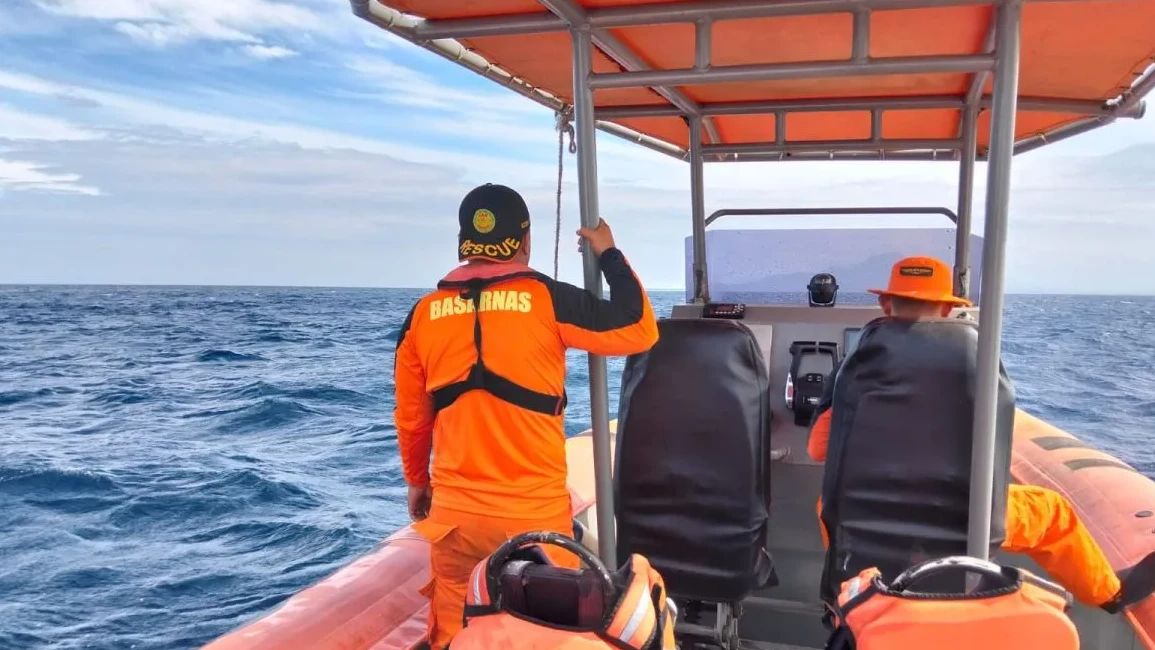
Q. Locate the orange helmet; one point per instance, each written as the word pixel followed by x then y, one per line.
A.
pixel 922 278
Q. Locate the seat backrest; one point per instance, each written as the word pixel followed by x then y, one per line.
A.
pixel 691 468
pixel 896 487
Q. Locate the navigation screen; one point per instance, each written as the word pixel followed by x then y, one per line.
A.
pixel 852 336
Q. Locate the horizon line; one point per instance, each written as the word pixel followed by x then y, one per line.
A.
pixel 402 288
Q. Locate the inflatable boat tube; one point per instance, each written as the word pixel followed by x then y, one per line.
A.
pixel 1115 501
pixel 375 603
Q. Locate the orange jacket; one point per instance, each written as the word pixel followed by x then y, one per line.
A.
pixel 1039 522
pixel 489 455
pixel 819 436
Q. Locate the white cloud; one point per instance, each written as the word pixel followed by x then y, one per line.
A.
pixel 261 211
pixel 129 111
pixel 165 34
pixel 16 175
pixel 18 124
pixel 383 206
pixel 208 19
pixel 268 52
pixel 400 84
pixel 164 23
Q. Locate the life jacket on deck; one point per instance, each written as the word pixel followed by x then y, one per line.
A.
pixel 1011 609
pixel 480 377
pixel 518 599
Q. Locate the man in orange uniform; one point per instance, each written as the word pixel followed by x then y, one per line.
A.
pixel 480 382
pixel 1039 522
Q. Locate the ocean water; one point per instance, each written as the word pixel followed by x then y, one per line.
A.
pixel 178 460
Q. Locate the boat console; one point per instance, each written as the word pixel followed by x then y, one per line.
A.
pixel 789 611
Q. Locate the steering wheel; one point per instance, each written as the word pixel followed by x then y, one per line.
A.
pixel 520 542
pixel 1006 578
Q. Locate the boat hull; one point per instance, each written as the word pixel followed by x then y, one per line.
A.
pixel 375 602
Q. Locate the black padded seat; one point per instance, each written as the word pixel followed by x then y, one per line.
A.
pixel 692 461
pixel 896 487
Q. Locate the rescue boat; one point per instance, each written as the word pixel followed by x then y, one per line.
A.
pixel 955 81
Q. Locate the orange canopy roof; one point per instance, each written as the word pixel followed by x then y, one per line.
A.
pixel 806 78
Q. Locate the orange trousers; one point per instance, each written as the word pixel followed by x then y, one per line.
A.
pixel 1042 525
pixel 458 541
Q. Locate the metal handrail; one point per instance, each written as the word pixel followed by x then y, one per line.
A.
pixel 796 212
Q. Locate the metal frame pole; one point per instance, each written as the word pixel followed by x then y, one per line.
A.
pixel 937 64
pixel 587 167
pixel 698 210
pixel 966 188
pixel 758 148
pixel 994 261
pixel 664 13
pixel 762 107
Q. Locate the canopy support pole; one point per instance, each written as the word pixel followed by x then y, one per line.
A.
pixel 966 188
pixel 587 166
pixel 994 262
pixel 698 211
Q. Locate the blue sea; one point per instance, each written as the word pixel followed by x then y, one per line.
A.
pixel 178 460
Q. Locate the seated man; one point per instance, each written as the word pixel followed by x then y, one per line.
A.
pixel 1039 522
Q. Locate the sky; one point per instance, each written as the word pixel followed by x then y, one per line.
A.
pixel 269 142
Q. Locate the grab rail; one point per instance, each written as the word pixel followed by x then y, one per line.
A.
pixel 780 212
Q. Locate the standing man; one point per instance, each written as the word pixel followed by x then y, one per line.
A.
pixel 480 382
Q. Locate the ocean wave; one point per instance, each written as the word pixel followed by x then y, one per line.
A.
pixel 269 413
pixel 332 394
pixel 254 390
pixel 369 429
pixel 257 534
pixel 201 583
pixel 244 478
pixel 8 398
pixel 86 578
pixel 121 396
pixel 324 393
pixel 23 640
pixel 276 337
pixel 254 487
pixel 266 414
pixel 1144 409
pixel 228 355
pixel 33 483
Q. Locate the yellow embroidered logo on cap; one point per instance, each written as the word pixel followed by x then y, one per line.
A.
pixel 484 221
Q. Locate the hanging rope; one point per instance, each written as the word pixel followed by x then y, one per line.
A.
pixel 564 127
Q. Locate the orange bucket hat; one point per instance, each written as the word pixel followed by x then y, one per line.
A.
pixel 922 278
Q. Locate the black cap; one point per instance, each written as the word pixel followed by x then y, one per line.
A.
pixel 494 221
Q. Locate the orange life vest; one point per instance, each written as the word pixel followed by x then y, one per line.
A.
pixel 1012 609
pixel 638 616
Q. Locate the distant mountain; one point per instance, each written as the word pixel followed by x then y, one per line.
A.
pixel 852 277
pixel 784 260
